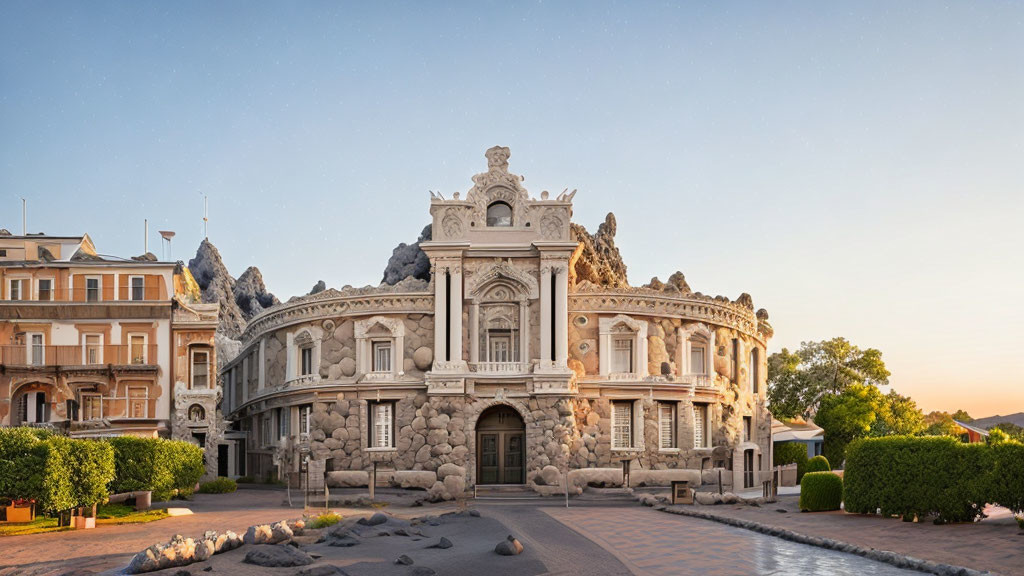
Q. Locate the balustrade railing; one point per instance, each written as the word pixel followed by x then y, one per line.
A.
pixel 500 367
pixel 84 355
pixel 89 295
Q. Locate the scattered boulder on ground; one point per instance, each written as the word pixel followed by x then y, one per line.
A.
pixel 375 520
pixel 443 544
pixel 509 547
pixel 474 513
pixel 268 533
pixel 423 571
pixel 181 551
pixel 730 498
pixel 276 556
pixel 404 560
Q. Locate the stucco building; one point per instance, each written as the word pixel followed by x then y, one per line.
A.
pixel 504 368
pixel 93 345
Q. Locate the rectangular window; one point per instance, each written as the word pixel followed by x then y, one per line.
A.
pixel 138 402
pixel 45 289
pixel 622 355
pixel 667 425
pixel 92 407
pixel 306 358
pixel 37 349
pixel 622 425
pixel 138 287
pixel 697 357
pixel 282 422
pixel 735 361
pixel 304 412
pixel 755 369
pixel 3 253
pixel 200 368
pixel 382 424
pixel 747 428
pixel 92 289
pixel 16 290
pixel 700 423
pixel 137 348
pixel 93 349
pixel 265 430
pixel 382 356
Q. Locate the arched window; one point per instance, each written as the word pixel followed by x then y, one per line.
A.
pixel 196 413
pixel 499 214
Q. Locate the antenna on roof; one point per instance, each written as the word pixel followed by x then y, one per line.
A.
pixel 24 218
pixel 206 219
pixel 145 242
pixel 167 235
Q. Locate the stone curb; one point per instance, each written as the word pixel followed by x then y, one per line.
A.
pixel 893 558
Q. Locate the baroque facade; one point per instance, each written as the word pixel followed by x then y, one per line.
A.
pixel 99 346
pixel 504 368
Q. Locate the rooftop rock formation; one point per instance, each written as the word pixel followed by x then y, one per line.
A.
pixel 600 263
pixel 239 300
pixel 319 287
pixel 251 294
pixel 407 260
pixel 676 283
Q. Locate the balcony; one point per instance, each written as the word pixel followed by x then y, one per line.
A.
pixel 500 367
pixel 98 356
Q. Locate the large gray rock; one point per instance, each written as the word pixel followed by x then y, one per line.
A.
pixel 251 294
pixel 408 260
pixel 322 570
pixel 376 520
pixel 509 547
pixel 218 286
pixel 277 556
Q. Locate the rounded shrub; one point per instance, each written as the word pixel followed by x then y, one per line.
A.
pixel 817 464
pixel 820 492
pixel 221 485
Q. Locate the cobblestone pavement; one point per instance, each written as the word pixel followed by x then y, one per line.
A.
pixel 995 544
pixel 652 543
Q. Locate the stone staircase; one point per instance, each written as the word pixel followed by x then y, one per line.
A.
pixel 504 492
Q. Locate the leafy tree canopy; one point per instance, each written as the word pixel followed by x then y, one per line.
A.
pixel 798 381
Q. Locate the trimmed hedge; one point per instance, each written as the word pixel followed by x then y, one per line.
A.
pixel 57 472
pixel 791 453
pixel 817 464
pixel 1007 478
pixel 820 492
pixel 221 485
pixel 163 466
pixel 929 476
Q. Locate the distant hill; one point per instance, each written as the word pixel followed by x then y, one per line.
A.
pixel 987 423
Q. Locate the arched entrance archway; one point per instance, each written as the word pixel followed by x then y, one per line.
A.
pixel 500 446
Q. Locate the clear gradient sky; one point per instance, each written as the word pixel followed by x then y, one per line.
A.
pixel 858 168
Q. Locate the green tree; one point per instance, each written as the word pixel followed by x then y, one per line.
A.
pixel 1011 430
pixel 940 424
pixel 897 414
pixel 798 381
pixel 962 416
pixel 847 416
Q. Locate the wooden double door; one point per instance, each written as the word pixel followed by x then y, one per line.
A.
pixel 501 447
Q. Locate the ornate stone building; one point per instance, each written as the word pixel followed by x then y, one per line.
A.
pixel 505 368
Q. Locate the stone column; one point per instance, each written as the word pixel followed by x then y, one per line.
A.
pixel 440 312
pixel 474 332
pixel 562 316
pixel 456 314
pixel 524 331
pixel 545 314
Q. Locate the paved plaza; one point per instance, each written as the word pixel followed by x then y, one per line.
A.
pixel 592 538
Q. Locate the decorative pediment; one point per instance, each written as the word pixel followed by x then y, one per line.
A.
pixel 485 284
pixel 379 325
pixel 622 323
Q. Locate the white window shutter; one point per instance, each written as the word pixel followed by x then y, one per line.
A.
pixel 622 420
pixel 666 415
pixel 699 413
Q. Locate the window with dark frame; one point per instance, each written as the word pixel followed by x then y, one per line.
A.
pixel 622 424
